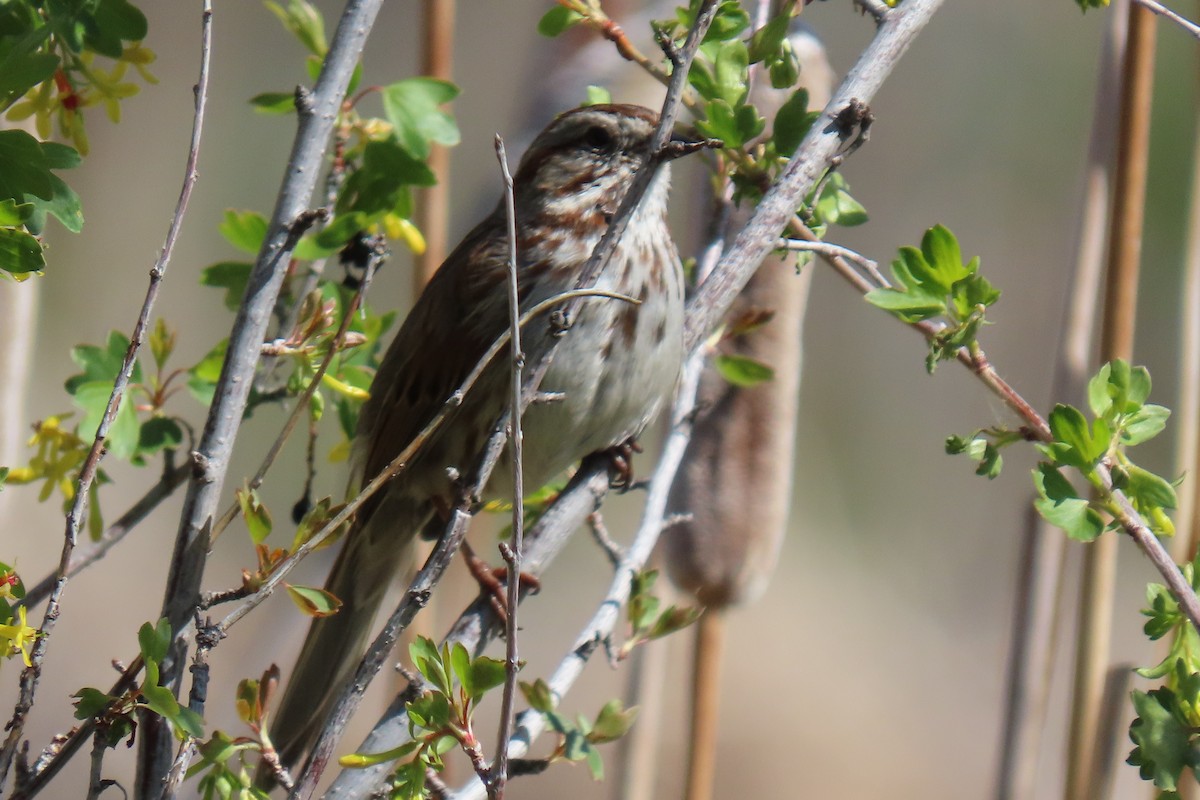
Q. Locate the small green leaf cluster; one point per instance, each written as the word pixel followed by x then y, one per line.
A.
pixel 223 776
pixel 719 80
pixel 934 283
pixel 1084 5
pixel 1122 419
pixel 115 715
pixel 1166 732
pixel 48 71
pixel 16 635
pixel 984 446
pixel 440 718
pixel 379 160
pixel 577 739
pixel 646 621
pixel 140 430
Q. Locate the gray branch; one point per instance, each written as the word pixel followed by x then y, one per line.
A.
pixel 317 113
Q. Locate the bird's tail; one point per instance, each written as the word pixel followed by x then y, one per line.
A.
pixel 374 552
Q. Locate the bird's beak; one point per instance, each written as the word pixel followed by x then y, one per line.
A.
pixel 682 145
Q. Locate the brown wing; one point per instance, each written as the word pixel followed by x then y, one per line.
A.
pixel 443 337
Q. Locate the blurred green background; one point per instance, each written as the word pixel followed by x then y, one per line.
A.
pixel 874 665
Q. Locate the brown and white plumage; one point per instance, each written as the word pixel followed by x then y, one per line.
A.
pixel 613 369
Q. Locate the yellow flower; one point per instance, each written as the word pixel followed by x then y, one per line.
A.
pixel 140 57
pixel 18 638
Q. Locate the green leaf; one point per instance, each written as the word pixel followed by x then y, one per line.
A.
pixel 413 108
pixel 125 431
pixel 382 181
pixel 730 65
pixel 314 602
pixel 730 20
pixel 13 213
pixel 431 711
pixel 719 123
pixel 557 20
pixel 101 363
pixel 486 674
pixel 768 39
pixel 159 433
pixel 154 640
pixel 274 102
pixel 973 291
pixel 22 66
pixel 941 251
pixel 672 620
pixel 202 378
pixel 304 22
pixel 1069 427
pixel 742 370
pixel 1061 506
pixel 232 276
pixel 460 664
pixel 1099 399
pixel 25 176
pixel 784 71
pixel 613 722
pixel 1163 747
pixel 597 96
pixel 1149 490
pixel 793 122
pixel 89 702
pixel 256 515
pixel 20 252
pixel 837 207
pixel 538 695
pixel 1144 424
pixel 913 305
pixel 112 22
pixel 1139 388
pixel 245 230
pixel 429 662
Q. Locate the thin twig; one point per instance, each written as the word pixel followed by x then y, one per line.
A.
pixel 512 555
pixel 830 250
pixel 317 113
pixel 1158 8
pixel 87 472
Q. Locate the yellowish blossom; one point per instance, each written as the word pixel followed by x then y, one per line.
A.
pixel 18 638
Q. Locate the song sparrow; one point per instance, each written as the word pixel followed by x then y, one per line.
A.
pixel 613 369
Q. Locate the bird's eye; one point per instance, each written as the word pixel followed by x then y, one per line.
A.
pixel 597 138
